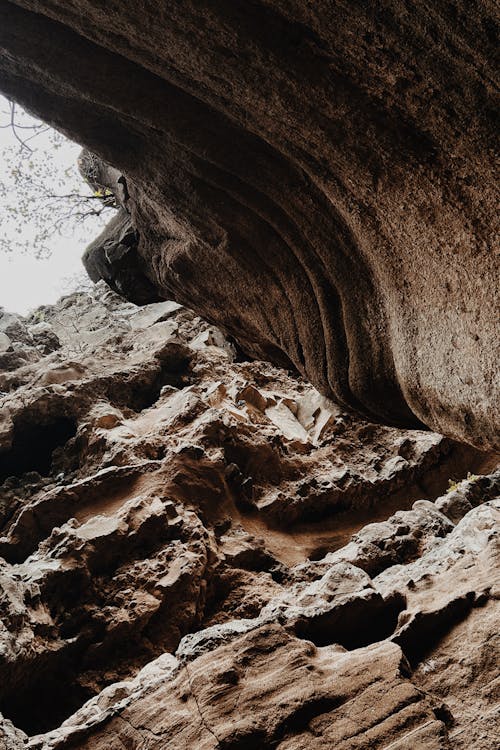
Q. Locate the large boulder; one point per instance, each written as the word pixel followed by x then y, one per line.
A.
pixel 317 178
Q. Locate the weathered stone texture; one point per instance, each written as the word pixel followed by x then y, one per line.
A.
pixel 317 178
pixel 201 551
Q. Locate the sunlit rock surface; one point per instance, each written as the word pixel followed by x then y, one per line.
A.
pixel 316 178
pixel 198 550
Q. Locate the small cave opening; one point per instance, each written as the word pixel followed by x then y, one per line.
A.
pixel 142 391
pixel 33 446
pixel 358 624
pixel 46 703
pixel 144 396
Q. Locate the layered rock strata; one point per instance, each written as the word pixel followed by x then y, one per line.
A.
pixel 316 178
pixel 198 550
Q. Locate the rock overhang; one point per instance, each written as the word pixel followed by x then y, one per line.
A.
pixel 317 181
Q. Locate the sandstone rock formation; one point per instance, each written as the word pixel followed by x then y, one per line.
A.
pixel 201 551
pixel 317 178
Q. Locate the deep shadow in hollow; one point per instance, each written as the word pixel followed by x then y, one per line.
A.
pixel 358 623
pixel 142 393
pixel 33 445
pixel 46 703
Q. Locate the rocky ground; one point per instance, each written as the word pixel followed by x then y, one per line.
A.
pixel 200 551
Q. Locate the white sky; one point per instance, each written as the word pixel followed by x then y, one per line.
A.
pixel 26 283
pixel 25 280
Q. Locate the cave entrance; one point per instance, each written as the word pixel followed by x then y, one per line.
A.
pixel 357 624
pixel 33 446
pixel 45 704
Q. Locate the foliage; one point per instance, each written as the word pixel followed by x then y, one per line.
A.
pixel 454 485
pixel 40 195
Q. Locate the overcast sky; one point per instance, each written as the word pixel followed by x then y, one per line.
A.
pixel 25 280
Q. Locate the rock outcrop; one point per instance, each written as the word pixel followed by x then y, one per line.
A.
pixel 199 550
pixel 316 178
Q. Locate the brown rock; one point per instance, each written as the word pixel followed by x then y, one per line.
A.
pixel 182 571
pixel 316 178
pixel 268 689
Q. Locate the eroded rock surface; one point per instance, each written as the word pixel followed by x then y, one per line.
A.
pixel 198 550
pixel 317 178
